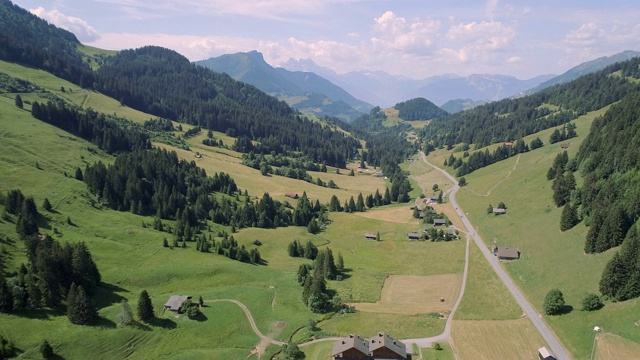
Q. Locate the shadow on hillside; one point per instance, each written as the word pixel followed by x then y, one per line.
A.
pixel 40 314
pixel 107 295
pixel 43 222
pixel 201 317
pixel 55 357
pixel 164 323
pixel 105 323
pixel 140 326
pixel 345 273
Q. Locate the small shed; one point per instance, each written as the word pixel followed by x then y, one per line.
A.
pixel 370 236
pixel 379 174
pixel 507 253
pixel 508 143
pixel 564 146
pixel 413 236
pixel 499 211
pixel 175 302
pixel 292 195
pixel 439 222
pixel 544 354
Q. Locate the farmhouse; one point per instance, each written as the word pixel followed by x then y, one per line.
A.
pixel 175 302
pixel 291 195
pixel 439 222
pixel 380 347
pixel 544 354
pixel 433 199
pixel 413 236
pixel 450 233
pixel 353 347
pixel 370 236
pixel 507 253
pixel 384 346
pixel 499 211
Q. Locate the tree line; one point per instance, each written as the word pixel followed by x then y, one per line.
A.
pixel 418 109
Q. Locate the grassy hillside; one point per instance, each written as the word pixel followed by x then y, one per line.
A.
pixel 550 258
pixel 130 256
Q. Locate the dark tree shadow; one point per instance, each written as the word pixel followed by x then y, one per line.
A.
pixel 164 323
pixel 107 295
pixel 56 357
pixel 40 314
pixel 105 323
pixel 43 221
pixel 565 310
pixel 140 326
pixel 200 317
pixel 345 273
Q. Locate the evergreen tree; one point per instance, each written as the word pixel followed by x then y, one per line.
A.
pixel 313 227
pixel 569 217
pixel 19 102
pixel 330 270
pixel 80 308
pixel 352 205
pixel 46 204
pixel 145 307
pixel 386 200
pixel 334 204
pixel 360 204
pixel 6 297
pixel 46 350
pixel 126 315
pixel 303 273
pixel 339 262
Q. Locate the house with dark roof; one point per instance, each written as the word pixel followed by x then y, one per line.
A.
pixel 353 347
pixel 383 346
pixel 291 195
pixel 413 236
pixel 439 222
pixel 175 302
pixel 507 253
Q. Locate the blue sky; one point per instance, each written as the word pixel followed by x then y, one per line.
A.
pixel 414 38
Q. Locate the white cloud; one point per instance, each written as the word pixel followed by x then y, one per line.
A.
pixel 79 27
pixel 491 8
pixel 397 34
pixel 514 60
pixel 587 35
pixel 483 36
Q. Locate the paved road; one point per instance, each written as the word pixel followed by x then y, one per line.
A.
pixel 555 346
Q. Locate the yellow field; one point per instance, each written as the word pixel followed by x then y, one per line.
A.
pixel 614 347
pixel 496 339
pixel 410 294
pixel 397 214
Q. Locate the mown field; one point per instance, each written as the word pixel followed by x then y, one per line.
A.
pixel 549 258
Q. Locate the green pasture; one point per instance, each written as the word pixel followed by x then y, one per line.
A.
pixel 549 258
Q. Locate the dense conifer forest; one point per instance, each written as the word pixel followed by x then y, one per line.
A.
pixel 418 109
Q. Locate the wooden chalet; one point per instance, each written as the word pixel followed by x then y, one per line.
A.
pixel 353 347
pixel 385 347
pixel 370 236
pixel 507 253
pixel 292 195
pixel 413 236
pixel 544 354
pixel 439 222
pixel 499 211
pixel 565 146
pixel 175 302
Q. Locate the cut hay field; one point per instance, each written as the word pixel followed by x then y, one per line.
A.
pixel 614 347
pixel 498 339
pixel 549 258
pixel 411 294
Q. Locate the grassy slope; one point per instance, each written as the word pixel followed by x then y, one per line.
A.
pixel 131 258
pixel 550 258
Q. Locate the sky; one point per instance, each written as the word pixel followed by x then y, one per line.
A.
pixel 413 38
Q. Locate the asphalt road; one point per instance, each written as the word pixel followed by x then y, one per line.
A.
pixel 554 344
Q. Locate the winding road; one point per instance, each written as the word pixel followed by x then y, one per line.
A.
pixel 554 344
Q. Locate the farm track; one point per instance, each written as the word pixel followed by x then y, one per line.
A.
pixel 554 344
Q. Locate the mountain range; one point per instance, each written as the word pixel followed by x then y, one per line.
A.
pixel 304 91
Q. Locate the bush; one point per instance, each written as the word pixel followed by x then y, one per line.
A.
pixel 591 302
pixel 46 350
pixel 553 302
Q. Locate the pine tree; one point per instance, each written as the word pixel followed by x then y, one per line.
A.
pixel 46 204
pixel 46 350
pixel 360 204
pixel 387 197
pixel 18 102
pixel 569 217
pixel 339 262
pixel 352 205
pixel 80 308
pixel 145 307
pixel 330 271
pixel 126 315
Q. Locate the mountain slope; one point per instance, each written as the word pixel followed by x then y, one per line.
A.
pixel 297 88
pixel 585 68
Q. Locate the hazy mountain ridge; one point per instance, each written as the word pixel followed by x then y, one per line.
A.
pixel 381 88
pixel 288 85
